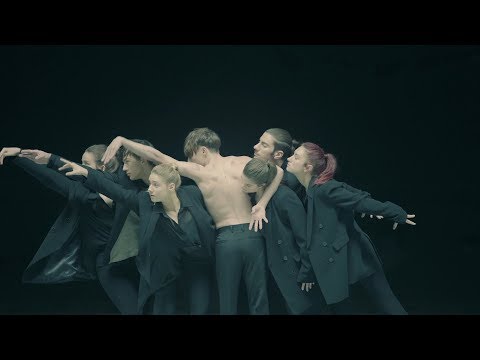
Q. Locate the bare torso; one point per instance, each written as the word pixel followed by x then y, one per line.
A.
pixel 221 188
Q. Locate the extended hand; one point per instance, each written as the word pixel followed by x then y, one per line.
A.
pixel 76 169
pixel 37 156
pixel 409 222
pixel 8 151
pixel 112 149
pixel 307 286
pixel 258 214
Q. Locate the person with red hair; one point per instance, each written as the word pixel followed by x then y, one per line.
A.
pixel 341 254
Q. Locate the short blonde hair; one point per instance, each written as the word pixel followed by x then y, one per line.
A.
pixel 261 172
pixel 169 173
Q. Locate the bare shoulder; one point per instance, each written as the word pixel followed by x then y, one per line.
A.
pixel 239 160
pixel 193 171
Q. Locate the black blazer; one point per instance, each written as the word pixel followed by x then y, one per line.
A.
pixel 285 238
pixel 160 249
pixel 121 210
pixel 340 252
pixel 58 258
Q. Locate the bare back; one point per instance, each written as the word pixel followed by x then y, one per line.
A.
pixel 221 188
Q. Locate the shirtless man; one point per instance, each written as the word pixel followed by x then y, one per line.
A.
pixel 239 252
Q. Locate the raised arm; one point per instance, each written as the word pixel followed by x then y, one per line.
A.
pixel 193 171
pixel 144 151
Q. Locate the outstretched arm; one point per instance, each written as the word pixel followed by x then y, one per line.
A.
pixel 144 151
pixel 343 197
pixel 8 152
pixel 96 181
pixel 47 177
pixel 193 171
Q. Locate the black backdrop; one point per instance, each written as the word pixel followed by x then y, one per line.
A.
pixel 400 120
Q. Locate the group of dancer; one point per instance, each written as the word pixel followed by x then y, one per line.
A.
pixel 279 218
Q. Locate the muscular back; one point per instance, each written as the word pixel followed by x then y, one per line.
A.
pixel 220 184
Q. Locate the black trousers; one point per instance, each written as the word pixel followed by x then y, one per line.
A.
pixel 379 294
pixel 240 253
pixel 120 281
pixel 195 283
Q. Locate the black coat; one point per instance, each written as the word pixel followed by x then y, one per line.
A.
pixel 285 238
pixel 58 259
pixel 340 252
pixel 160 249
pixel 121 210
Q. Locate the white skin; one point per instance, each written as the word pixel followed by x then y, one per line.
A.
pixel 137 169
pixel 249 186
pixel 42 157
pixel 299 166
pixel 161 191
pixel 265 149
pixel 218 178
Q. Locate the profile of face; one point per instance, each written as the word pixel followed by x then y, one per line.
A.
pixel 158 189
pixel 200 157
pixel 264 149
pixel 88 159
pixel 133 167
pixel 249 186
pixel 297 163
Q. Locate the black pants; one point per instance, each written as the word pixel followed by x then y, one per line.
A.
pixel 120 281
pixel 240 253
pixel 379 293
pixel 195 283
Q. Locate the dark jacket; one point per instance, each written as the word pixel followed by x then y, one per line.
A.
pixel 58 259
pixel 160 248
pixel 292 182
pixel 121 210
pixel 285 238
pixel 340 252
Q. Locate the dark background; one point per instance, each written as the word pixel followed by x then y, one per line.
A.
pixel 400 119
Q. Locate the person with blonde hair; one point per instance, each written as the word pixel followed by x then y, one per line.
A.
pixel 176 236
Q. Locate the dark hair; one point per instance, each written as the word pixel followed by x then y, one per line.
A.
pixel 283 142
pixel 260 171
pixel 97 151
pixel 127 152
pixel 324 165
pixel 201 137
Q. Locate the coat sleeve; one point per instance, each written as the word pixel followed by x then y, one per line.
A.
pixel 291 208
pixel 55 163
pixel 116 192
pixel 53 180
pixel 341 196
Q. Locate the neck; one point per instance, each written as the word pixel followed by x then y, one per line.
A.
pixel 172 204
pixel 214 157
pixel 146 175
pixel 304 179
pixel 278 162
